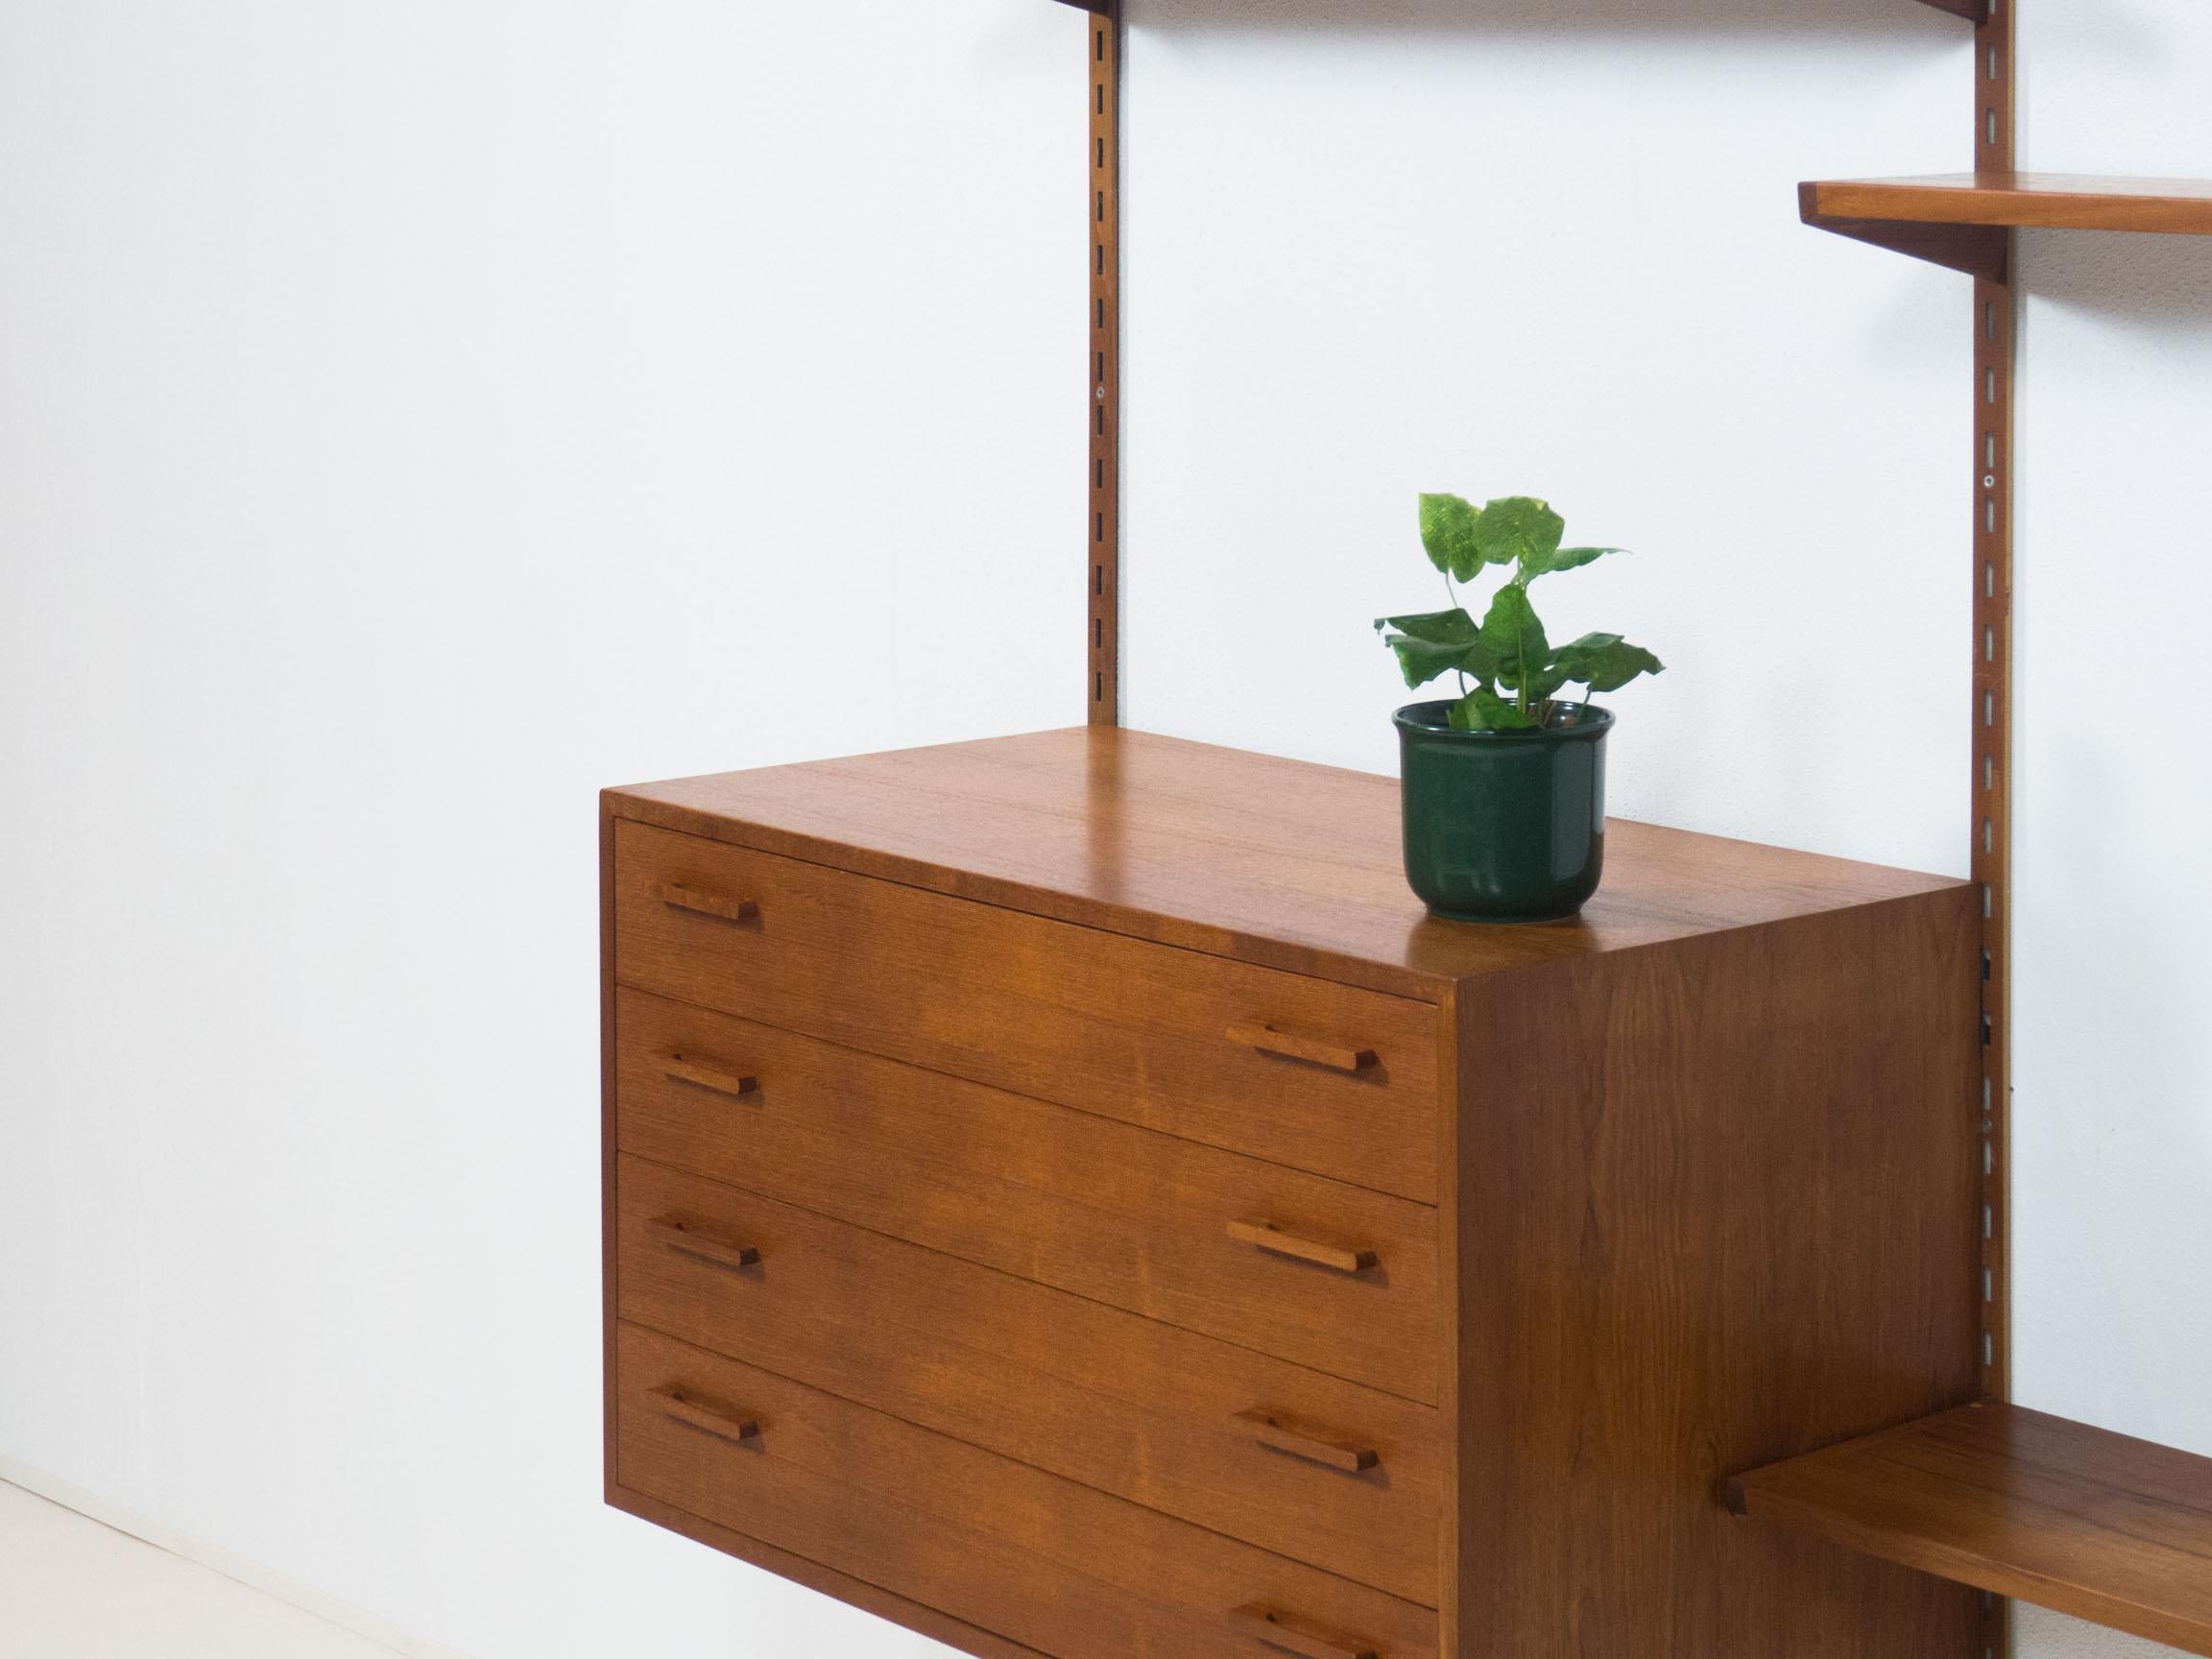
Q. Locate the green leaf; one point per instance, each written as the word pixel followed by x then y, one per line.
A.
pixel 1448 530
pixel 1453 627
pixel 1482 709
pixel 1437 643
pixel 1569 559
pixel 1604 662
pixel 1515 636
pixel 1543 685
pixel 1519 530
pixel 1422 660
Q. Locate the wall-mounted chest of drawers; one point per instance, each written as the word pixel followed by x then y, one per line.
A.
pixel 1062 1196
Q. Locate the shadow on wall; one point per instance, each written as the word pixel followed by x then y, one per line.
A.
pixel 2118 321
pixel 2148 281
pixel 1616 19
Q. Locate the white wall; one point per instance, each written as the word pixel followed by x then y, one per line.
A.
pixel 1532 246
pixel 2112 1176
pixel 413 416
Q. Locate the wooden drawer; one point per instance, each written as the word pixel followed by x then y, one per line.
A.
pixel 1009 1549
pixel 1159 1226
pixel 1214 1434
pixel 1169 1038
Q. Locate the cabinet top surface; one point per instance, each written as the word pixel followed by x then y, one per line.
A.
pixel 1279 862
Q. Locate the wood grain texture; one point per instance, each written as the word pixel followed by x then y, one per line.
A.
pixel 1128 1405
pixel 1271 861
pixel 1287 1633
pixel 1113 1026
pixel 2089 1523
pixel 1715 1205
pixel 2045 201
pixel 989 1541
pixel 1119 1214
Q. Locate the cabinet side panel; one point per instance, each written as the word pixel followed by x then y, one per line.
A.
pixel 1716 1207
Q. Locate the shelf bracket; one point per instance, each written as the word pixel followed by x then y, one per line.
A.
pixel 1981 251
pixel 1973 11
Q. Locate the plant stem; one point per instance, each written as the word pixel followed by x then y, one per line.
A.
pixel 1453 593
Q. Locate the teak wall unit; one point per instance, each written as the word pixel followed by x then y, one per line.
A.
pixel 1064 1196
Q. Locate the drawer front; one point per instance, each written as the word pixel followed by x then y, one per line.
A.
pixel 1163 1227
pixel 1039 1560
pixel 1324 1077
pixel 1339 1477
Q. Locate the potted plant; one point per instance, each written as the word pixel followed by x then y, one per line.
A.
pixel 1505 785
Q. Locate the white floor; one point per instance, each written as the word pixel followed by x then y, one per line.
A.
pixel 73 1589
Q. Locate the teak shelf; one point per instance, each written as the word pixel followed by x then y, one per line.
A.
pixel 2051 1511
pixel 1960 219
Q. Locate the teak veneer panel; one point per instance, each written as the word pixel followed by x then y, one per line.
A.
pixel 1704 1211
pixel 1131 1406
pixel 1121 1215
pixel 2047 1511
pixel 1085 1017
pixel 1273 861
pixel 2037 200
pixel 994 1543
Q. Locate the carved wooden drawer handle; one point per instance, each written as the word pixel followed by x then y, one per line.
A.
pixel 693 1414
pixel 700 903
pixel 687 1070
pixel 1292 1046
pixel 681 1235
pixel 1292 1634
pixel 1314 1447
pixel 1273 1239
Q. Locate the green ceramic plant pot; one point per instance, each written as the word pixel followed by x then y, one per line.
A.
pixel 1503 826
